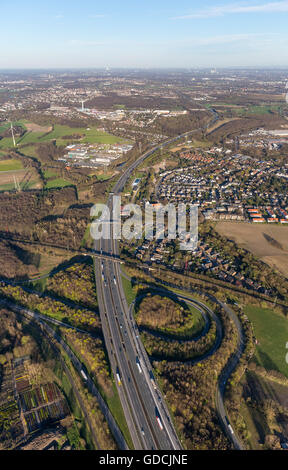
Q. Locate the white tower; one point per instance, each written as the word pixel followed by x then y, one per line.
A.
pixel 16 184
pixel 12 132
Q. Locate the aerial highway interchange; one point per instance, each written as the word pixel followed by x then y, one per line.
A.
pixel 145 411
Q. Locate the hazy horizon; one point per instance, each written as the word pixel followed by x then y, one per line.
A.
pixel 69 34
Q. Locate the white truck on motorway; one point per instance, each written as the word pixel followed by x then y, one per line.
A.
pixel 230 428
pixel 84 375
pixel 118 376
pixel 138 364
pixel 159 423
pixel 229 425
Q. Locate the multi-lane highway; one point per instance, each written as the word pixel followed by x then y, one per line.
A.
pixel 148 420
pixel 145 411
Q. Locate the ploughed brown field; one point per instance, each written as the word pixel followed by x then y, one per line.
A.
pixel 268 242
pixel 31 127
pixel 26 175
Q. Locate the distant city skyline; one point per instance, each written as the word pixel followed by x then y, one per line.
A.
pixel 184 34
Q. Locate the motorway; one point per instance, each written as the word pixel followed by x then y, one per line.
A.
pixel 146 413
pixel 148 420
pixel 145 410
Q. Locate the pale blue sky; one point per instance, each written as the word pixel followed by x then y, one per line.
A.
pixel 158 33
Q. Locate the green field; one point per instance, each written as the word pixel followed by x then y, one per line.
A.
pixel 116 409
pixel 3 127
pixel 58 183
pixel 7 142
pixel 49 174
pixel 90 135
pixel 264 109
pixel 6 125
pixel 10 186
pixel 103 177
pixel 7 186
pixel 271 331
pixel 30 151
pixel 10 165
pixel 129 292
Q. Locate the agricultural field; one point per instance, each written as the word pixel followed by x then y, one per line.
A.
pixel 271 331
pixel 54 180
pixel 39 396
pixel 37 401
pixel 61 134
pixel 10 165
pixel 22 382
pixel 57 183
pixel 46 415
pixel 258 110
pixel 31 127
pixel 50 174
pixel 10 424
pixel 252 238
pixel 252 110
pixel 41 405
pixel 27 179
pixel 13 172
pixel 30 151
